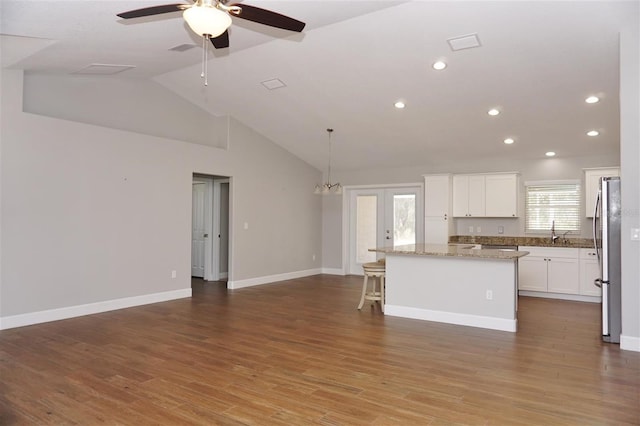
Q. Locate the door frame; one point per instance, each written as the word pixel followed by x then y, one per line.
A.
pixel 216 231
pixel 346 215
pixel 212 219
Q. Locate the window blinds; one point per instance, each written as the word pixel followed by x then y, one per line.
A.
pixel 552 203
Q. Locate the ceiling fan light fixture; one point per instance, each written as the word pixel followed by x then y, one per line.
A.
pixel 207 20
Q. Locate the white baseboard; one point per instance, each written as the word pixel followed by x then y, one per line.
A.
pixel 269 279
pixel 561 296
pixel 630 343
pixel 333 271
pixel 31 318
pixel 452 318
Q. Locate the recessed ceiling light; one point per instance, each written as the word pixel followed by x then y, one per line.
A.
pixel 399 105
pixel 493 111
pixel 509 141
pixel 439 65
pixel 550 154
pixel 593 133
pixel 592 99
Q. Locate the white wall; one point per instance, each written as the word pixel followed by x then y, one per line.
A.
pixel 630 179
pixel 91 214
pixel 140 106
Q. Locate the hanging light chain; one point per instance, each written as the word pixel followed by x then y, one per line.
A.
pixel 205 72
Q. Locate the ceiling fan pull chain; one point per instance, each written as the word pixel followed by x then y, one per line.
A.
pixel 203 74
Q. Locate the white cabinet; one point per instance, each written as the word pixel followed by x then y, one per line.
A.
pixel 437 209
pixel 501 195
pixel 468 196
pixel 591 183
pixel 532 272
pixel 549 269
pixel 485 195
pixel 589 271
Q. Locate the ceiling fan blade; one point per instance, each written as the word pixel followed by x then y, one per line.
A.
pixel 154 10
pixel 267 17
pixel 221 41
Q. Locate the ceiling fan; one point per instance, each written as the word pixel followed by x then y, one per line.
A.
pixel 211 18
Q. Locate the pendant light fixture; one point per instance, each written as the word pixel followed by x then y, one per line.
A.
pixel 328 187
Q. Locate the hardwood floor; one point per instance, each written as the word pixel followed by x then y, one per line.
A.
pixel 298 352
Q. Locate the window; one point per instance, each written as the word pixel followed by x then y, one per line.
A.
pixel 552 204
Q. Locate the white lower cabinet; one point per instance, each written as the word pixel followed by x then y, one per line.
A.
pixel 589 271
pixel 549 269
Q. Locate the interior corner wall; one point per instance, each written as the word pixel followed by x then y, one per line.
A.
pixel 92 214
pixel 630 179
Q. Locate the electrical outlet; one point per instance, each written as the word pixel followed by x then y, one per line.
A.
pixel 246 225
pixel 478 229
pixel 489 294
pixel 471 229
pixel 313 257
pixel 174 274
pixel 635 234
pixel 500 229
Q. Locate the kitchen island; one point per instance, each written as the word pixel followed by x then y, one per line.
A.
pixel 456 284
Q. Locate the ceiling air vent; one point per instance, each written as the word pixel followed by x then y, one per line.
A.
pixel 183 47
pixel 273 84
pixel 464 42
pixel 103 69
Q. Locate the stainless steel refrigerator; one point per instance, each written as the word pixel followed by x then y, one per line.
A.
pixel 606 238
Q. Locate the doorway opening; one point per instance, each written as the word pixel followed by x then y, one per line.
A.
pixel 210 213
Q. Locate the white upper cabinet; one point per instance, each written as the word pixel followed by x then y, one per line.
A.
pixel 501 193
pixel 468 196
pixel 591 182
pixel 485 195
pixel 437 200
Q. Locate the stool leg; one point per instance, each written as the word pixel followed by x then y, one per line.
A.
pixel 364 291
pixel 382 293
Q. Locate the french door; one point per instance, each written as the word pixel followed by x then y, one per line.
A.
pixel 382 217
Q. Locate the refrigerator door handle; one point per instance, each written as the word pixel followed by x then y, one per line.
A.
pixel 595 226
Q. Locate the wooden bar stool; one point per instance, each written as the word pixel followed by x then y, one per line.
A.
pixel 375 271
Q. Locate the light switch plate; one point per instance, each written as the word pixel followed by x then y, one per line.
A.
pixel 635 234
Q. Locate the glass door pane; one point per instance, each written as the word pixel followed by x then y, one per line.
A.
pixel 404 219
pixel 366 227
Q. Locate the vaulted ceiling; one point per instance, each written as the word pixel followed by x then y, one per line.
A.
pixel 537 62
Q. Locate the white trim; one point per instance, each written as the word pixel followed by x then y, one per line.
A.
pixel 630 343
pixel 270 279
pixel 552 182
pixel 333 271
pixel 385 186
pixel 31 318
pixel 561 296
pixel 492 323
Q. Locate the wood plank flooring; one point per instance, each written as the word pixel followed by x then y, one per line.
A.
pixel 298 353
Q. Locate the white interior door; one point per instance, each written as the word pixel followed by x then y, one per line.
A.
pixel 198 229
pixel 380 218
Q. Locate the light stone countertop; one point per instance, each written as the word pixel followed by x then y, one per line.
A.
pixel 452 250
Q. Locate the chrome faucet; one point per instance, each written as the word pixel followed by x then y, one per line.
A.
pixel 554 237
